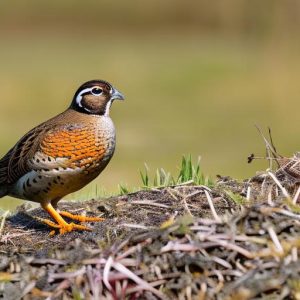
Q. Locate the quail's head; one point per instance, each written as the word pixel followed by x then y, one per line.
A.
pixel 95 97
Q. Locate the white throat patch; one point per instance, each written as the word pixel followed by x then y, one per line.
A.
pixel 107 108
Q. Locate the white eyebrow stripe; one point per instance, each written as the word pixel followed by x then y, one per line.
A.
pixel 79 96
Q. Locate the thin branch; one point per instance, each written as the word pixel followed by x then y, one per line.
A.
pixel 296 196
pixel 275 239
pixel 3 219
pixel 212 208
pixel 149 202
pixel 284 191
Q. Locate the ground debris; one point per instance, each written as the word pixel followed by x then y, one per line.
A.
pixel 236 241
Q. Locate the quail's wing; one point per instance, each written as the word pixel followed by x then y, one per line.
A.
pixel 44 147
pixel 14 164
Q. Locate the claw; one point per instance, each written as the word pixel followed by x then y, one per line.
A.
pixel 72 226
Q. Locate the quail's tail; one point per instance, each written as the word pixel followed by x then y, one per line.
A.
pixel 3 191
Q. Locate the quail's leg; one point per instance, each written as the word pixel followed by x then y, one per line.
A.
pixel 61 224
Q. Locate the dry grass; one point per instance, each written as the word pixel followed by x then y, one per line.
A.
pixel 179 242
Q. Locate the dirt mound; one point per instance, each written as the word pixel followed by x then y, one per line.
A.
pixel 182 242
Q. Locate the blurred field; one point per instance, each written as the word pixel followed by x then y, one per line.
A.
pixel 194 83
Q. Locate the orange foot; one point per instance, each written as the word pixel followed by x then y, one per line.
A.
pixel 63 227
pixel 61 224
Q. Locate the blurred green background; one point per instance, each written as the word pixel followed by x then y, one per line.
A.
pixel 197 76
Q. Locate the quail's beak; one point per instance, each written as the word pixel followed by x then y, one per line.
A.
pixel 116 95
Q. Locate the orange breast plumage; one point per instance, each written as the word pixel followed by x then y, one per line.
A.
pixel 78 145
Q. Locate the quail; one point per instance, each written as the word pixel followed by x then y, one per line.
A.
pixel 63 154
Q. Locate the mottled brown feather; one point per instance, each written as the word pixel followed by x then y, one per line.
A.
pixel 14 164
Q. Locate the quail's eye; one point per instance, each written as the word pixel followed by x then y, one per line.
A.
pixel 96 91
